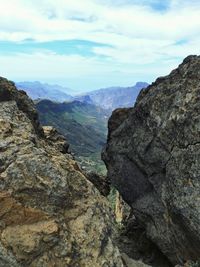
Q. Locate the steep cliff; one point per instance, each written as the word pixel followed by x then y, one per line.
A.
pixel 153 159
pixel 50 214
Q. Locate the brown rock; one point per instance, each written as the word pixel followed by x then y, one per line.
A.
pixel 56 139
pixel 50 214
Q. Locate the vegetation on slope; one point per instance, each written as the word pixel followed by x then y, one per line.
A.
pixel 83 124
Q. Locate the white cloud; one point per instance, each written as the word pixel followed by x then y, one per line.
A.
pixel 50 19
pixel 78 72
pixel 138 35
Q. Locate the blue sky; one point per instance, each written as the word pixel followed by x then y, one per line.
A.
pixel 90 44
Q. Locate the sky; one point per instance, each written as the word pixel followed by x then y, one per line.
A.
pixel 91 44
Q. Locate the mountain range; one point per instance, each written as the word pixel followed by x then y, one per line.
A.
pixel 38 90
pixel 81 119
pixel 107 98
pixel 113 97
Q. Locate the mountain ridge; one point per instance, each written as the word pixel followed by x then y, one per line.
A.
pixel 107 98
pixel 38 90
pixel 84 125
pixel 114 97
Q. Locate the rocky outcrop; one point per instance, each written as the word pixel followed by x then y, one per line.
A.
pixel 56 139
pixel 153 159
pixel 50 214
pixel 8 93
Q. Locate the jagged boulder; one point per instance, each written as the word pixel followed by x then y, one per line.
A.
pixel 50 214
pixel 56 139
pixel 153 159
pixel 8 93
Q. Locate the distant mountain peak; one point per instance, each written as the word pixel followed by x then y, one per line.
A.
pixel 142 84
pixel 85 99
pixel 38 90
pixel 113 97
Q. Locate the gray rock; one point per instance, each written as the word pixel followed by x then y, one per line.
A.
pixel 99 181
pixel 153 159
pixel 132 263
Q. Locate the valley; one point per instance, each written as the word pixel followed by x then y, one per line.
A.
pixel 84 126
pixel 81 119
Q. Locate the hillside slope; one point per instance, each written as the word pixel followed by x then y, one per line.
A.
pixel 84 125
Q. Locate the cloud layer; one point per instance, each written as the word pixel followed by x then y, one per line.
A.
pixel 134 39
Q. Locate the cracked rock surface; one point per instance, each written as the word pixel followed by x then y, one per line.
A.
pixel 153 159
pixel 50 214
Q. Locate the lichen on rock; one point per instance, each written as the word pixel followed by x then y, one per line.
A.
pixel 50 214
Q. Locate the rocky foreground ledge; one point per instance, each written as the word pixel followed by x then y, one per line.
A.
pixel 50 214
pixel 153 159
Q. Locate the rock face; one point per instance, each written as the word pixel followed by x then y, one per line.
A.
pixel 8 92
pixel 50 214
pixel 153 159
pixel 56 139
pixel 100 182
